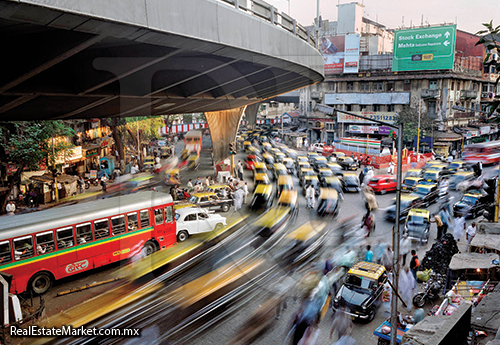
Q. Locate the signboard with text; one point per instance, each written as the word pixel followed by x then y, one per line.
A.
pixel 388 117
pixel 341 54
pixel 421 49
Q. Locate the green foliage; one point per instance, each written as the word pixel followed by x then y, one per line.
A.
pixel 28 143
pixel 489 40
pixel 409 118
pixel 148 126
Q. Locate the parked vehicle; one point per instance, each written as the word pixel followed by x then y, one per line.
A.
pixel 362 290
pixel 195 220
pixel 382 183
pixel 418 225
pixel 432 290
pixel 318 147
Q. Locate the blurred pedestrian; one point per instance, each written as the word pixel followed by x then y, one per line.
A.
pixel 387 258
pixel 238 199
pixel 245 190
pixel 439 224
pixel 207 181
pixel 406 287
pixel 81 185
pixel 369 254
pixel 470 233
pixel 342 323
pixel 173 192
pixel 190 185
pixel 404 248
pixel 390 170
pixel 10 208
pixel 414 265
pixel 378 250
pixel 310 196
pixel 240 170
pixel 458 227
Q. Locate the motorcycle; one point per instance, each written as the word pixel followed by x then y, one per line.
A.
pixel 432 289
pixel 89 181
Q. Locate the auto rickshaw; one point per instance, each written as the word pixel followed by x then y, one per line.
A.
pixel 284 183
pixel 149 163
pixel 165 152
pixel 193 161
pixel 262 197
pixel 418 225
pixel 328 202
pixel 172 177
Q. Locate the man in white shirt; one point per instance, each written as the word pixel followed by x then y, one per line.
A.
pixel 245 189
pixel 10 208
pixel 449 159
pixel 470 233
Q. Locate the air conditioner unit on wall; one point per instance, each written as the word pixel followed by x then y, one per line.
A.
pixel 407 81
pixel 484 95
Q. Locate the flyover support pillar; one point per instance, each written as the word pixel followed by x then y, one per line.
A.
pixel 223 127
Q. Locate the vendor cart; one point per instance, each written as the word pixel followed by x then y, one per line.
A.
pixel 383 332
pixel 485 243
pixel 473 266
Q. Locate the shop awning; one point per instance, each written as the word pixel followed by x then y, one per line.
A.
pixel 473 261
pixel 48 179
pixel 447 136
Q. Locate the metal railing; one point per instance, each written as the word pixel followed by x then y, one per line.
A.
pixel 271 14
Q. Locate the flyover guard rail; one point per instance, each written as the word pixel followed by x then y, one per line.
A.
pixel 271 14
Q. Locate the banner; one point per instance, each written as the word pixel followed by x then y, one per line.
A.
pixel 351 60
pixel 363 129
pixel 341 54
pixel 388 117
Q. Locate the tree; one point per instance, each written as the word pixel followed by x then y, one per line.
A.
pixel 489 40
pixel 409 117
pixel 147 128
pixel 29 143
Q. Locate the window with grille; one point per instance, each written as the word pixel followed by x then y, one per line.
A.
pixel 132 222
pixel 5 254
pixel 83 233
pixel 378 86
pixel 350 86
pixel 45 242
pixel 144 218
pixel 118 225
pixel 23 247
pixel 433 85
pixel 159 216
pixel 365 86
pixel 101 229
pixel 65 237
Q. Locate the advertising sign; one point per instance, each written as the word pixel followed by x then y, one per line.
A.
pixel 388 117
pixel 424 48
pixel 363 129
pixel 341 54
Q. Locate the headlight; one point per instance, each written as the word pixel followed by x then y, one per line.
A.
pixel 335 300
pixel 364 307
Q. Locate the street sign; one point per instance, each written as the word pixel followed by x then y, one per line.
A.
pixel 424 48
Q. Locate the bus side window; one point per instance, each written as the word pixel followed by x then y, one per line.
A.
pixel 65 237
pixel 83 233
pixel 169 214
pixel 118 225
pixel 159 216
pixel 45 242
pixel 5 253
pixel 23 247
pixel 101 229
pixel 144 219
pixel 132 221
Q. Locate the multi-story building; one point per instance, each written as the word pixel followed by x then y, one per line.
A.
pixel 453 97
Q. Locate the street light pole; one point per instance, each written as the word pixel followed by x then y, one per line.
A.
pixel 418 130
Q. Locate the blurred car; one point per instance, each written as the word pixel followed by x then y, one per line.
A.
pixel 164 151
pixel 260 178
pixel 251 160
pixel 278 170
pixel 268 159
pixel 418 225
pixel 311 154
pixel 279 156
pixel 335 168
pixel 305 173
pixel 407 203
pixel 347 163
pixel 428 192
pixel 289 198
pixel 337 154
pixel 351 183
pixel 443 168
pixel 246 146
pixel 271 221
pixel 194 220
pixel 333 182
pixel 458 165
pixel 409 183
pixel 471 205
pixel 301 159
pixel 172 177
pixel 290 165
pixel 414 173
pixel 311 179
pixel 284 182
pixel 431 163
pixel 318 147
pixel 262 197
pixel 324 172
pixel 266 146
pixel 432 176
pixel 292 154
pixel 382 183
pixel 319 163
pixel 259 168
pixel 193 161
pixel 362 290
pixel 460 177
pixel 328 202
pixel 210 200
pixel 303 166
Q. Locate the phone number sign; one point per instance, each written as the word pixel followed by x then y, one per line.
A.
pixel 378 116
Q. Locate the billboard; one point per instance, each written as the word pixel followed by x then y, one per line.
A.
pixel 388 117
pixel 424 48
pixel 341 54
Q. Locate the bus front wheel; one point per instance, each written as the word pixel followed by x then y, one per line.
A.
pixel 40 283
pixel 149 248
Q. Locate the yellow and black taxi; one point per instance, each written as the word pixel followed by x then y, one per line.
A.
pixel 301 159
pixel 362 290
pixel 260 178
pixel 443 169
pixel 291 153
pixel 432 176
pixel 302 166
pixel 347 163
pixel 259 168
pixel 268 159
pixel 266 146
pixel 409 183
pixel 351 183
pixel 278 170
pixel 172 177
pixel 319 163
pixel 283 183
pixel 262 197
pixel 289 164
pixel 414 173
pixel 304 173
pixel 471 205
pixel 219 189
pixel 271 221
pixel 311 154
pixel 418 225
pixel 251 160
pixel 407 203
pixel 336 168
pixel 246 146
pixel 429 164
pixel 428 192
pixel 289 198
pixel 310 180
pixel 193 161
pixel 457 165
pixel 328 202
pixel 210 200
pixel 279 156
pixel 254 150
pixel 324 173
pixel 459 177
pixel 164 151
pixel 333 182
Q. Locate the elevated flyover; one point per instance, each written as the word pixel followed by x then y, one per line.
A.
pixel 67 59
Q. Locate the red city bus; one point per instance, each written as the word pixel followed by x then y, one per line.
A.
pixel 486 153
pixel 192 141
pixel 38 248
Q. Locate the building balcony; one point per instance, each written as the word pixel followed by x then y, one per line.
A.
pixel 463 115
pixel 428 93
pixel 468 94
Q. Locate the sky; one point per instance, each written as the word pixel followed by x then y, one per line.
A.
pixel 467 14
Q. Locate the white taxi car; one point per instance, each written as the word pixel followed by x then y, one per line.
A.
pixel 195 220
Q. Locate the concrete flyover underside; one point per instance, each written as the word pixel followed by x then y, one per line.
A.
pixel 65 59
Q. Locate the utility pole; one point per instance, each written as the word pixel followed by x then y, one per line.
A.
pixel 418 130
pixel 317 25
